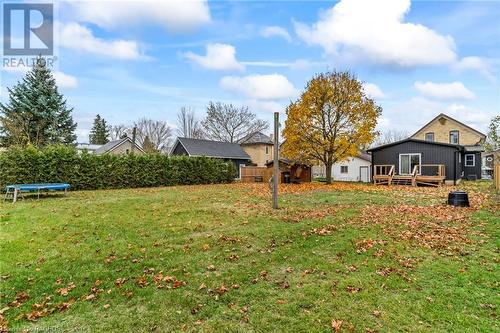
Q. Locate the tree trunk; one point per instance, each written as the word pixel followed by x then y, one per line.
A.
pixel 328 167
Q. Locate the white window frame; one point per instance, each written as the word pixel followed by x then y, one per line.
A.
pixel 344 166
pixel 267 150
pixel 429 133
pixel 473 160
pixel 410 154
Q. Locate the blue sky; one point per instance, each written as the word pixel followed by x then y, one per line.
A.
pixel 126 60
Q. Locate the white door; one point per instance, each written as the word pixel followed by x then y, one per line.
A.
pixel 364 174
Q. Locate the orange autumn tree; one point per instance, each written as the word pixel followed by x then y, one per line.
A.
pixel 330 121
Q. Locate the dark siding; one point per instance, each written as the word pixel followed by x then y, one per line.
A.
pixel 236 163
pixel 179 150
pixel 431 154
pixel 475 170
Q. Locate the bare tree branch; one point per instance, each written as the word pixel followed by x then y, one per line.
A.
pixel 226 122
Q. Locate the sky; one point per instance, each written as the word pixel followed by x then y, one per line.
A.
pixel 130 59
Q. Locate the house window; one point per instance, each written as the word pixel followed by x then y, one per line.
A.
pixel 344 169
pixel 470 160
pixel 127 151
pixel 407 163
pixel 429 136
pixel 454 137
pixel 267 150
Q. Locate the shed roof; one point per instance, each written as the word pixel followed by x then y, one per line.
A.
pixel 219 149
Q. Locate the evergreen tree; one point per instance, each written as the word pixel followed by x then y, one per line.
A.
pixel 99 134
pixel 148 146
pixel 36 112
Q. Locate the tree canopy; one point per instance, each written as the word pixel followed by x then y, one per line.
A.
pixel 330 121
pixel 229 123
pixel 493 139
pixel 36 112
pixel 99 134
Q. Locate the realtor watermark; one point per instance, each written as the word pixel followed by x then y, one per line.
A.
pixel 28 33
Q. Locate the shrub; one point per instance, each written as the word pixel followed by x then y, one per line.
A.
pixel 61 164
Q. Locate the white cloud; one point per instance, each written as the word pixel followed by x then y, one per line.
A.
pixel 218 57
pixel 174 15
pixel 445 91
pixel 77 37
pixel 373 91
pixel 468 115
pixel 64 80
pixel 271 86
pixel 299 64
pixel 475 63
pixel 266 106
pixel 415 112
pixel 275 31
pixel 375 31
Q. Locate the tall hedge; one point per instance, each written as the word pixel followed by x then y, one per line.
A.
pixel 60 164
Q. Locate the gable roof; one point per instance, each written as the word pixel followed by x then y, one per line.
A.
pixel 256 138
pixel 452 119
pixel 208 148
pixel 415 140
pixel 106 148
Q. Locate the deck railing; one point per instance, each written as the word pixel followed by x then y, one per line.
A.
pixel 435 170
pixel 427 174
pixel 384 170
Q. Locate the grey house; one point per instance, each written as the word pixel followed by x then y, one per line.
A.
pixel 436 162
pixel 231 152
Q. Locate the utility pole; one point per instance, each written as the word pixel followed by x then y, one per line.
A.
pixel 134 135
pixel 276 166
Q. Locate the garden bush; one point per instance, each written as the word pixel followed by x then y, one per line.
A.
pixel 61 164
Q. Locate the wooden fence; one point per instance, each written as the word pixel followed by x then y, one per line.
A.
pixel 496 175
pixel 252 174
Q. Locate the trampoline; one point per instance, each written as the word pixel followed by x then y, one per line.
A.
pixel 17 190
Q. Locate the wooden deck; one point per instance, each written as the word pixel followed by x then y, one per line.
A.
pixel 423 174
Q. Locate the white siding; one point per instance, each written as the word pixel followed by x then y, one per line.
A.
pixel 353 170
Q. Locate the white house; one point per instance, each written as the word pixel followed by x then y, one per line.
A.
pixel 354 169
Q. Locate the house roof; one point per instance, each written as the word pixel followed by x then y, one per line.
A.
pixel 364 156
pixel 452 119
pixel 114 144
pixel 88 146
pixel 256 138
pixel 208 148
pixel 474 148
pixel 285 161
pixel 415 140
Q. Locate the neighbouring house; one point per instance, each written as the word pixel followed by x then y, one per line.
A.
pixel 116 147
pixel 443 150
pixel 488 163
pixel 259 147
pixel 231 152
pixel 87 147
pixel 354 169
pixel 291 172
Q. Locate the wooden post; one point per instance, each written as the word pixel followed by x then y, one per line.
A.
pixel 276 164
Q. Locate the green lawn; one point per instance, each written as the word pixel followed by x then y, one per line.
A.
pixel 217 258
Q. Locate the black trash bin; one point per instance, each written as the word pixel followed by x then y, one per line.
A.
pixel 458 199
pixel 286 178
